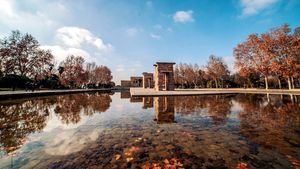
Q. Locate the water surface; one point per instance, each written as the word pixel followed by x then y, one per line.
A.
pixel 101 130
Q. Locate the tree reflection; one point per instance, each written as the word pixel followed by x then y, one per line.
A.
pixel 189 104
pixel 68 108
pixel 21 118
pixel 218 106
pixel 273 124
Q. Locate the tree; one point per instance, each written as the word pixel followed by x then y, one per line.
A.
pixel 217 70
pixel 297 31
pixel 103 75
pixel 253 55
pixel 73 74
pixel 285 49
pixel 60 70
pixel 275 53
pixel 90 69
pixel 188 75
pixel 21 55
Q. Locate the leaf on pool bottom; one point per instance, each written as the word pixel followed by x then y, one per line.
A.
pixel 167 164
pixel 242 166
pixel 117 156
pixel 129 159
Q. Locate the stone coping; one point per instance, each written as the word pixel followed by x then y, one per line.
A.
pixel 22 93
pixel 185 92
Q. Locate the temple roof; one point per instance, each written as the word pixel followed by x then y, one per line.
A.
pixel 164 63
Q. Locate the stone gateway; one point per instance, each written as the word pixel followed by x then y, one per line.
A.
pixel 164 76
pixel 147 80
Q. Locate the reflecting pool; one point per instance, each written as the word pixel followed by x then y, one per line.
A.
pixel 106 130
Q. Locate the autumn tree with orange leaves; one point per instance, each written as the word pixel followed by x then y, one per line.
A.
pixel 98 75
pixel 188 75
pixel 74 74
pixel 275 53
pixel 21 55
pixel 286 49
pixel 217 70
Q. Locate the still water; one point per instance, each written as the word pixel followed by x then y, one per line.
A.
pixel 105 130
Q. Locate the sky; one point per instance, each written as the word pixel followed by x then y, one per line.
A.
pixel 129 36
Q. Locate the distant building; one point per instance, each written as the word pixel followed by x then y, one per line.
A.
pixel 125 83
pixel 162 79
pixel 136 81
pixel 148 80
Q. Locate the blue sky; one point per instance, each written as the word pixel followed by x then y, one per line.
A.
pixel 130 35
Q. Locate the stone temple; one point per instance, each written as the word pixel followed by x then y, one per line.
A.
pixel 164 76
pixel 148 80
pixel 162 79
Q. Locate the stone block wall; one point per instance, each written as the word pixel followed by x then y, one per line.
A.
pixel 148 80
pixel 136 81
pixel 125 83
pixel 164 76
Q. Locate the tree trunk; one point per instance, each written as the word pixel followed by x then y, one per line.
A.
pixel 289 83
pixel 292 98
pixel 216 83
pixel 293 86
pixel 266 82
pixel 279 83
pixel 222 83
pixel 195 85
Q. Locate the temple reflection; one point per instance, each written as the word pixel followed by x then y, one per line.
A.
pixel 125 95
pixel 136 99
pixel 147 102
pixel 164 110
pixel 164 107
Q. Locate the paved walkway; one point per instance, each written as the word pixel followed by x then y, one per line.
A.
pixel 178 92
pixel 23 93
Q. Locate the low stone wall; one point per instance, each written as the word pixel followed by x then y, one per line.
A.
pixel 21 94
pixel 186 92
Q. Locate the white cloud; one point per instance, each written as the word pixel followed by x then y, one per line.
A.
pixel 120 68
pixel 66 142
pixel 157 26
pixel 154 36
pixel 149 4
pixel 6 8
pixel 132 31
pixel 40 17
pixel 252 7
pixel 60 53
pixel 183 16
pixel 230 62
pixel 170 30
pixel 75 37
pixel 74 41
